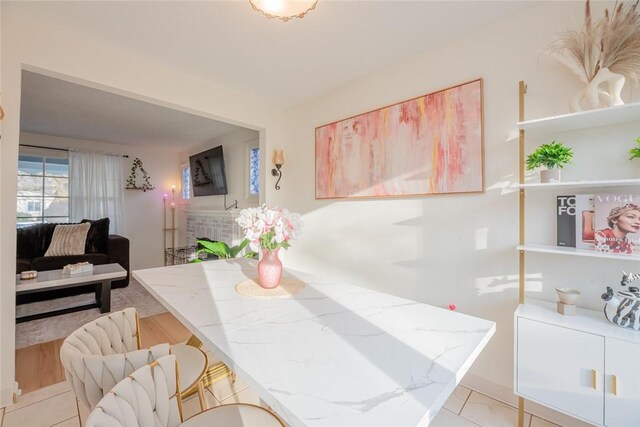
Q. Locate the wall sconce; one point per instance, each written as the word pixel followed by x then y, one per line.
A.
pixel 278 161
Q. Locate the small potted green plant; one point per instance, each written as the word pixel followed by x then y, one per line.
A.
pixel 554 156
pixel 221 249
pixel 635 151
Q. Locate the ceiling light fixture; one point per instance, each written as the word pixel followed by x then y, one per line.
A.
pixel 283 9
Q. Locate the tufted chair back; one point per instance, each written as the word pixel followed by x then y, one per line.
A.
pixel 101 353
pixel 148 397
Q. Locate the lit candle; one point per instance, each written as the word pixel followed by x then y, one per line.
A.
pixel 173 205
pixel 164 196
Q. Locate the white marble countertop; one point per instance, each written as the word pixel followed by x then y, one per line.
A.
pixel 57 279
pixel 332 355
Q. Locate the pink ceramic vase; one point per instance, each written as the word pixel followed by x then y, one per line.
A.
pixel 269 269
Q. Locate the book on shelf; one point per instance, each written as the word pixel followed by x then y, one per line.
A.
pixel 585 212
pixel 566 221
pixel 617 223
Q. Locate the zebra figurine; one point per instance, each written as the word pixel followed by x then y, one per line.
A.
pixel 622 307
pixel 628 278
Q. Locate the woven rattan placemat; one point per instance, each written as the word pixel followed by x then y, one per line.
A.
pixel 287 288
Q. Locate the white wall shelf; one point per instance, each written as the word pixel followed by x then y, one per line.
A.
pixel 590 321
pixel 582 184
pixel 559 250
pixel 583 120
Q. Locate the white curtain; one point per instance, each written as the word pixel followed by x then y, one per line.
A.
pixel 96 188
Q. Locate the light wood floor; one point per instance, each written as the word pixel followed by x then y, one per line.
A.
pixel 39 365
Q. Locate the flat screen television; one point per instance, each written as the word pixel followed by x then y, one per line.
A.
pixel 207 173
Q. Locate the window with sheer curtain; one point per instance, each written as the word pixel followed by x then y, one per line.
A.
pixel 96 183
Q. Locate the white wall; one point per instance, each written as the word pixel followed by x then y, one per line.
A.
pixel 234 146
pixel 7 298
pixel 456 248
pixel 142 210
pixel 31 40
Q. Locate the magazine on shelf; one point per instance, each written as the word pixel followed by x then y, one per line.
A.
pixel 566 221
pixel 585 212
pixel 617 223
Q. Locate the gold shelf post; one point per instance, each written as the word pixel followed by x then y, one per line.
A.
pixel 521 282
pixel 523 91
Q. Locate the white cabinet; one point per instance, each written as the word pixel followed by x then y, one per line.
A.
pixel 561 368
pixel 582 366
pixel 622 383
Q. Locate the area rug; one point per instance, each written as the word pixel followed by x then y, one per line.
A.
pixel 43 330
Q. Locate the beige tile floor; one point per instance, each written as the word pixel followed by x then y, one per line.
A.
pixel 56 406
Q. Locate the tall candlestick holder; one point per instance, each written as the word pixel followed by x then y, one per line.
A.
pixel 164 228
pixel 172 205
pixel 173 225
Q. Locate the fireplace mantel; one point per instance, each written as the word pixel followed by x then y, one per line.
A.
pixel 213 212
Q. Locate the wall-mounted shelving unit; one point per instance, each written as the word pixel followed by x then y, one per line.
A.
pixel 579 365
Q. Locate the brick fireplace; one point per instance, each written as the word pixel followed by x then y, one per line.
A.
pixel 216 225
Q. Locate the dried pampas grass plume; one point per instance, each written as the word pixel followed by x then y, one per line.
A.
pixel 612 42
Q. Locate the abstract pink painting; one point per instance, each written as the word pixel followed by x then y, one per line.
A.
pixel 428 145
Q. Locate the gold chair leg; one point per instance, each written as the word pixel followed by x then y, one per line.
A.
pixel 194 342
pixel 78 409
pixel 215 372
pixel 202 397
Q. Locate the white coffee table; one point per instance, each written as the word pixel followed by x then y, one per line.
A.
pixel 102 276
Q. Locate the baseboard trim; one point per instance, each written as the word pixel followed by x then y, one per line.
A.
pixel 505 395
pixel 6 397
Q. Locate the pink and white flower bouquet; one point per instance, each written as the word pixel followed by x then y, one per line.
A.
pixel 269 228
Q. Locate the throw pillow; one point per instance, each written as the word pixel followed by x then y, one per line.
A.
pixel 68 240
pixel 98 236
pixel 31 241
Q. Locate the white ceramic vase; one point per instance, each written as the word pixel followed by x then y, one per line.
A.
pixel 603 91
pixel 550 175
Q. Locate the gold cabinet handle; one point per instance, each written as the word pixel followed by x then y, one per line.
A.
pixel 594 379
pixel 614 384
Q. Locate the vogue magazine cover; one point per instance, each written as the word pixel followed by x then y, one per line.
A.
pixel 617 223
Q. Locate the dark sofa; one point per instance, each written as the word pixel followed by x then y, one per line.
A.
pixel 100 248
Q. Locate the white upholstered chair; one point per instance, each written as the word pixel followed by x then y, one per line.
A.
pixel 150 397
pixel 101 353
